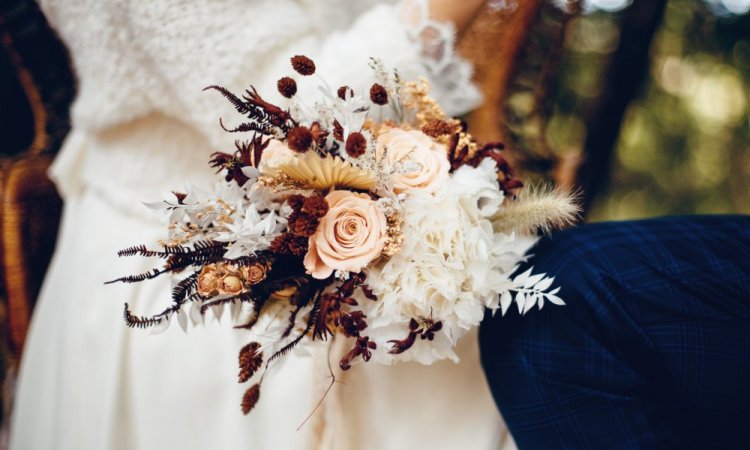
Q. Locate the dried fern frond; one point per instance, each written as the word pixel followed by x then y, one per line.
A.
pixel 185 288
pixel 537 208
pixel 151 274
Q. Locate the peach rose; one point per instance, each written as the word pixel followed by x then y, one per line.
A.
pixel 253 274
pixel 231 285
pixel 208 281
pixel 424 162
pixel 349 236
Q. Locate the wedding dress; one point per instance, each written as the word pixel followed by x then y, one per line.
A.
pixel 142 125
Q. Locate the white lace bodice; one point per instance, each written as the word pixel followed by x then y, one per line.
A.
pixel 142 66
pixel 135 57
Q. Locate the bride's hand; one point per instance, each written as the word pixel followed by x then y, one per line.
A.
pixel 459 12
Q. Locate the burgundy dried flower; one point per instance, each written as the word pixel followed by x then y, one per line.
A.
pixel 280 244
pixel 287 87
pixel 368 292
pixel 424 328
pixel 430 328
pixel 303 65
pixel 299 139
pixel 361 348
pixel 356 144
pixel 298 245
pixel 304 225
pixel 338 131
pixel 289 244
pixel 250 399
pixel 180 197
pixel 319 134
pixel 251 358
pixel 344 91
pixel 402 345
pixel 316 206
pixel 296 201
pixel 378 94
pixel 353 323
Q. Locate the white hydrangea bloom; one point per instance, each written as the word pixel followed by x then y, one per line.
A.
pixel 451 267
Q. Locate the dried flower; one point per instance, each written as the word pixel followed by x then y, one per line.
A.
pixel 536 209
pixel 338 131
pixel 362 348
pixel 303 65
pixel 208 281
pixel 296 201
pixel 230 285
pixel 324 172
pixel 438 127
pixel 304 225
pixel 315 206
pixel 250 399
pixel 299 139
pixel 280 244
pixel 319 134
pixel 298 245
pixel 416 98
pixel 356 145
pixel 378 94
pixel 251 358
pixel 353 323
pixel 287 87
pixel 254 273
pixel 345 91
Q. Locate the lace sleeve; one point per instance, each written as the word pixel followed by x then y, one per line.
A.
pixel 450 74
pixel 191 53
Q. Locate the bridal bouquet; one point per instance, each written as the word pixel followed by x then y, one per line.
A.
pixel 370 216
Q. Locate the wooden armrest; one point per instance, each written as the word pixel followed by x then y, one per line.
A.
pixel 29 217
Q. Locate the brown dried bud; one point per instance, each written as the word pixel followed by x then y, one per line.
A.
pixel 319 134
pixel 316 206
pixel 287 87
pixel 296 201
pixel 356 145
pixel 280 244
pixel 436 128
pixel 345 91
pixel 304 226
pixel 303 65
pixel 289 244
pixel 180 197
pixel 298 245
pixel 208 281
pixel 251 358
pixel 338 131
pixel 378 94
pixel 250 399
pixel 299 139
pixel 254 273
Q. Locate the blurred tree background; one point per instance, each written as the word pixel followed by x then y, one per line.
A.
pixel 683 145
